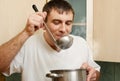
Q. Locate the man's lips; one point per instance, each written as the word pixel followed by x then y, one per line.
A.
pixel 59 36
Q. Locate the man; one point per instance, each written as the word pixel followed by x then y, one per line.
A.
pixel 34 55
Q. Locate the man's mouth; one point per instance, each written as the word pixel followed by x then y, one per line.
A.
pixel 59 36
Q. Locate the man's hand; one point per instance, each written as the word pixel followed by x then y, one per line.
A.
pixel 92 74
pixel 35 22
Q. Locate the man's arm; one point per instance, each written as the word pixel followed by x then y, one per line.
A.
pixel 9 50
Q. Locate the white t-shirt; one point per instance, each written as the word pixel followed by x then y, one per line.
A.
pixel 36 58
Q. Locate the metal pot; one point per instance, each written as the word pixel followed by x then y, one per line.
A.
pixel 67 75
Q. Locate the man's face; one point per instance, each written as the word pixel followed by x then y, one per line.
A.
pixel 60 24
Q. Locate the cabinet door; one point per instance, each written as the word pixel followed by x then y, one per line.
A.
pixel 106 30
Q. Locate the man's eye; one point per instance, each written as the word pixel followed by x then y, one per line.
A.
pixel 56 22
pixel 69 23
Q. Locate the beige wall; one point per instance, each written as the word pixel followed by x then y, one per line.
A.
pixel 13 16
pixel 106 30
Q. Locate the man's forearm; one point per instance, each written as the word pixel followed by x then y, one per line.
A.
pixel 9 50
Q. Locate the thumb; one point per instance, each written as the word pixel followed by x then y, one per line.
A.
pixel 45 14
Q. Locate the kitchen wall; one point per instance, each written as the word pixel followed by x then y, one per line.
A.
pixel 13 15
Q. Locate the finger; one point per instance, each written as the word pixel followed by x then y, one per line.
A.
pixel 91 78
pixel 36 20
pixel 84 66
pixel 91 74
pixel 42 14
pixel 36 23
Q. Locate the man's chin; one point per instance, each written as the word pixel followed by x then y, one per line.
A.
pixel 58 37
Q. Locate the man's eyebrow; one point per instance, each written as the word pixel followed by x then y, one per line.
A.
pixel 70 20
pixel 61 20
pixel 56 20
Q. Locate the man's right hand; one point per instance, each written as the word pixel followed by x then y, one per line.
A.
pixel 35 22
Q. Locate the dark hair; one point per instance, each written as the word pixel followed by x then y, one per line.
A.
pixel 59 5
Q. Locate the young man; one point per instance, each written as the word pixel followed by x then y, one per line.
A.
pixel 34 55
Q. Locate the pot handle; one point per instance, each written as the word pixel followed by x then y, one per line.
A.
pixel 54 75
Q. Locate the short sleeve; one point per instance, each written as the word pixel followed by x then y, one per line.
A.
pixel 91 60
pixel 17 63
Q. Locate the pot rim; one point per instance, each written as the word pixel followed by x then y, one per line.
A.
pixel 67 70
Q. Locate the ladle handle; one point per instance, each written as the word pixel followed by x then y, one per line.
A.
pixel 36 10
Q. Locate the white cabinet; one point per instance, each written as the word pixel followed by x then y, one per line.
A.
pixel 106 30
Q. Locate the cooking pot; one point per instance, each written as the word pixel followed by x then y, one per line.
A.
pixel 67 75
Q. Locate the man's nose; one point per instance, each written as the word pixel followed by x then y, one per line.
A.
pixel 63 28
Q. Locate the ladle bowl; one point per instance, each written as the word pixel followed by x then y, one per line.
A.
pixel 65 42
